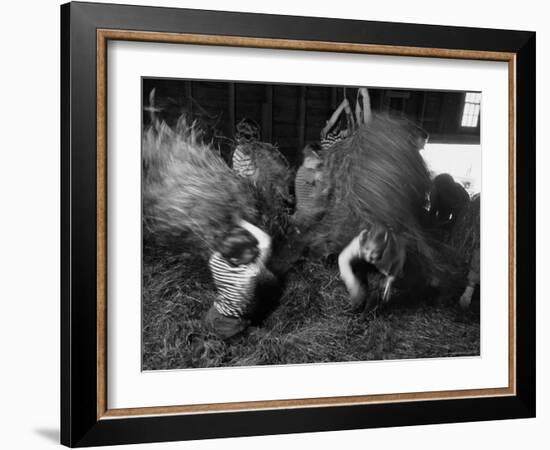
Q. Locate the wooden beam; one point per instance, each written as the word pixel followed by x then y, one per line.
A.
pixel 267 114
pixel 188 87
pixel 423 110
pixel 302 117
pixel 333 98
pixel 231 104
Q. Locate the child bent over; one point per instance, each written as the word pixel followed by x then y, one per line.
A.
pixel 236 268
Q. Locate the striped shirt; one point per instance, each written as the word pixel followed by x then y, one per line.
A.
pixel 332 138
pixel 306 186
pixel 236 285
pixel 243 163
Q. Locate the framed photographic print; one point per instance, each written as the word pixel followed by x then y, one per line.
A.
pixel 276 224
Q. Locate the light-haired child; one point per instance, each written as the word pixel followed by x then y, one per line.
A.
pixel 380 246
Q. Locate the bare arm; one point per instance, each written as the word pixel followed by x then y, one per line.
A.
pixel 367 113
pixel 349 254
pixel 335 116
pixel 351 121
pixel 358 111
pixel 264 240
pixel 355 289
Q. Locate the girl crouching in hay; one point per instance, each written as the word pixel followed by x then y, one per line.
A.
pixel 187 186
pixel 376 185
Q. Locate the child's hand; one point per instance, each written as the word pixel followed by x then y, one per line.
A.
pixel 387 289
pixel 357 297
pixel 347 107
pixel 318 177
pixel 466 298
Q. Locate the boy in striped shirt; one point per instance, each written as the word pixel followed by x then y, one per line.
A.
pixel 236 269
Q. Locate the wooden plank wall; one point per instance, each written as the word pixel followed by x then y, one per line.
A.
pixel 291 115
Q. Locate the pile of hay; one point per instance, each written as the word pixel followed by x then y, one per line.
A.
pixel 188 187
pixel 312 324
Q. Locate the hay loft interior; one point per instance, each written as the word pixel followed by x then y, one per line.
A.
pixel 299 326
pixel 291 116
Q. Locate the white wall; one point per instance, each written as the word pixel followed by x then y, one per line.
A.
pixel 29 224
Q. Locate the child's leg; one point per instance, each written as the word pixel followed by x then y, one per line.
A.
pixel 224 326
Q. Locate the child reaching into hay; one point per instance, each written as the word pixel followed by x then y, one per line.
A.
pixel 464 238
pixel 261 163
pixel 377 176
pixel 189 189
pixel 363 112
pixel 237 266
pixel 334 131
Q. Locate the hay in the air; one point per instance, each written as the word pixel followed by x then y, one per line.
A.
pixel 270 186
pixel 274 172
pixel 188 187
pixel 376 176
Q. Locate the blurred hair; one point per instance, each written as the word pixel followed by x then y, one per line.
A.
pixel 236 242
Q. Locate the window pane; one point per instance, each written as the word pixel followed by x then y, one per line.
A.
pixel 470 114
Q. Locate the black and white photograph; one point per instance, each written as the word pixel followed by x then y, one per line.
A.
pixel 270 225
pixel 293 224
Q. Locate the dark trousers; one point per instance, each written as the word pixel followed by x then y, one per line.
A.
pixel 224 326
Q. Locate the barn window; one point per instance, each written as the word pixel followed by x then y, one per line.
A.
pixel 472 105
pixel 461 161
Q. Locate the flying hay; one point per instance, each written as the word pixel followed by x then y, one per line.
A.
pixel 376 176
pixel 187 186
pixel 274 172
pixel 270 186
